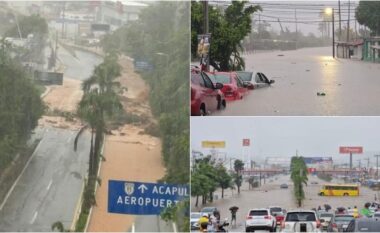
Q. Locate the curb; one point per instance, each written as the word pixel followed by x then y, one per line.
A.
pixel 96 185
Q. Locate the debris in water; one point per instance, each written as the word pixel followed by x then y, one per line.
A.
pixel 321 94
pixel 280 55
pixel 307 70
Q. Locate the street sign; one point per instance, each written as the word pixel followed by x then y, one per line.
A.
pixel 246 142
pixel 129 197
pixel 213 144
pixel 351 150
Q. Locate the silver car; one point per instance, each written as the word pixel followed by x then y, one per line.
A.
pixel 254 80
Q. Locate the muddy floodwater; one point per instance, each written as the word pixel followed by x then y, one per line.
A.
pixel 270 194
pixel 351 87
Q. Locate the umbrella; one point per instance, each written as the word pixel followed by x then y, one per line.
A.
pixel 234 208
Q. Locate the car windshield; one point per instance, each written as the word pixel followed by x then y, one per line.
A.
pixel 195 215
pixel 300 216
pixel 343 218
pixel 275 209
pixel 372 226
pixel 245 76
pixel 258 213
pixel 221 78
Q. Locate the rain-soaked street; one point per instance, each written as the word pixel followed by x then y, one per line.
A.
pixel 270 194
pixel 351 86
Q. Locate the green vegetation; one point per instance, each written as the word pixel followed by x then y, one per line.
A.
pixel 20 107
pixel 160 38
pixel 227 30
pixel 367 14
pixel 238 177
pixel 100 100
pixel 207 176
pixel 298 175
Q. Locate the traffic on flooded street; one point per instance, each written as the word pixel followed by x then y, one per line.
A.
pixel 299 175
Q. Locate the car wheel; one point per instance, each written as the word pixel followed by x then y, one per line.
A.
pixel 345 194
pixel 321 194
pixel 221 103
pixel 247 229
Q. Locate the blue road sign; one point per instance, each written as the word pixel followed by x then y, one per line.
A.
pixel 129 197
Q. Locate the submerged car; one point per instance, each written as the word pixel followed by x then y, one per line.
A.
pixel 254 80
pixel 206 96
pixel 342 221
pixel 283 186
pixel 233 87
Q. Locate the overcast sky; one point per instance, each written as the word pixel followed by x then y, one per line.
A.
pixel 282 136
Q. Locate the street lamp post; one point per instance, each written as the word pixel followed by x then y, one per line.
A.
pixel 330 11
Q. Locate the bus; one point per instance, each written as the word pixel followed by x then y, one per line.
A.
pixel 339 190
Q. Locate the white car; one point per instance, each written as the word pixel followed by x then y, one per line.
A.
pixel 301 221
pixel 260 219
pixel 254 79
pixel 194 219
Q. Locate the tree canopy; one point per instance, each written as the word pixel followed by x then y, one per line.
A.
pixel 367 14
pixel 20 107
pixel 227 30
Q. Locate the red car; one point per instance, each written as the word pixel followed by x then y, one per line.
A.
pixel 206 96
pixel 233 87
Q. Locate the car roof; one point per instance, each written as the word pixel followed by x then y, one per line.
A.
pixel 301 210
pixel 258 209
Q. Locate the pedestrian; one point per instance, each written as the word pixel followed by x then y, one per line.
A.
pixel 319 208
pixel 355 212
pixel 203 222
pixel 365 211
pixel 213 226
pixel 233 210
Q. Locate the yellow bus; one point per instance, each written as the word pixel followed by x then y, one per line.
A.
pixel 339 190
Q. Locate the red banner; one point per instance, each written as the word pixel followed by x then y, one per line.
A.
pixel 351 150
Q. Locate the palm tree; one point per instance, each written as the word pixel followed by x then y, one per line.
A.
pixel 299 177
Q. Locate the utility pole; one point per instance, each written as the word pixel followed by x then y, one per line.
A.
pixel 333 42
pixel 205 29
pixel 350 161
pixel 340 20
pixel 63 18
pixel 295 16
pixel 348 22
pixel 377 166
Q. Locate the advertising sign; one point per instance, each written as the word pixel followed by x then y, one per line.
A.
pixel 351 150
pixel 213 144
pixel 246 142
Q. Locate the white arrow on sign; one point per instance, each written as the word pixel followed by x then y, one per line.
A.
pixel 142 188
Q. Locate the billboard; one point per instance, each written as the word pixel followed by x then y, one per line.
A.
pixel 213 144
pixel 351 150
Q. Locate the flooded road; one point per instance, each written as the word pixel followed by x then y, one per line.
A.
pixel 351 86
pixel 79 67
pixel 270 194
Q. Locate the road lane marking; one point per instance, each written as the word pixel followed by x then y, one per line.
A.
pixel 48 187
pixel 18 178
pixel 34 217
